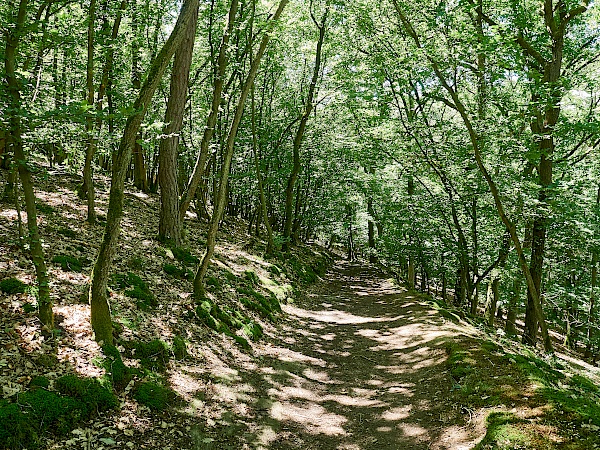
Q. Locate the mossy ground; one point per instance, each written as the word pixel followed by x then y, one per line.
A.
pixel 25 418
pixel 136 288
pixel 558 408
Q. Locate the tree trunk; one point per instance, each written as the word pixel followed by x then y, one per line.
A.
pixel 88 183
pixel 100 310
pixel 15 142
pixel 87 189
pixel 221 195
pixel 511 309
pixel 211 121
pixel 308 107
pixel 261 189
pixel 169 227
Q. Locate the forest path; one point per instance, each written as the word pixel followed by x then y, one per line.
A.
pixel 359 364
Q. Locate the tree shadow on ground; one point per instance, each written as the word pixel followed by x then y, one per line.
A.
pixel 360 364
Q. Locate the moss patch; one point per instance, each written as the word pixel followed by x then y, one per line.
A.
pixel 12 286
pixel 32 413
pixel 154 395
pixel 68 263
pixel 135 288
pixel 184 256
pixel 153 355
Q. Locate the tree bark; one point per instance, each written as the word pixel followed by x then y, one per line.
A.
pixel 15 142
pixel 211 121
pixel 87 189
pixel 259 179
pixel 169 227
pixel 308 107
pixel 100 309
pixel 221 195
pixel 88 184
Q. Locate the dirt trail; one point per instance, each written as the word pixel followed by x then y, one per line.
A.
pixel 360 365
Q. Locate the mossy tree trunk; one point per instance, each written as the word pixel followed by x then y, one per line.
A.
pixel 15 142
pixel 100 310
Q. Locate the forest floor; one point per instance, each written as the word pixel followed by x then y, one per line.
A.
pixel 353 361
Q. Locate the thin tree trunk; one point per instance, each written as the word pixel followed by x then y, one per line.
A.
pixel 259 178
pixel 221 195
pixel 15 142
pixel 88 183
pixel 308 107
pixel 87 189
pixel 511 309
pixel 169 227
pixel 211 121
pixel 100 310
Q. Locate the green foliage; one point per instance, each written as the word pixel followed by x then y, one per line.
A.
pixel 226 320
pixel 242 342
pixel 145 297
pixel 138 289
pixel 213 282
pixel 47 409
pixel 253 330
pixel 154 395
pixel 270 304
pixel 67 232
pixel 303 272
pixel 503 432
pixel 251 278
pixel 230 276
pixel 17 430
pixel 184 256
pixel 67 262
pixel 273 269
pixel 38 410
pixel 39 381
pixel 177 272
pixel 12 286
pixel 43 207
pixel 135 263
pixel 458 362
pixel 29 308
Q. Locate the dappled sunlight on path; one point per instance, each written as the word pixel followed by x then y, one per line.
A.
pixel 360 364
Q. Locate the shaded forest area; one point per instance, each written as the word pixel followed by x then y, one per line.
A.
pixel 454 142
